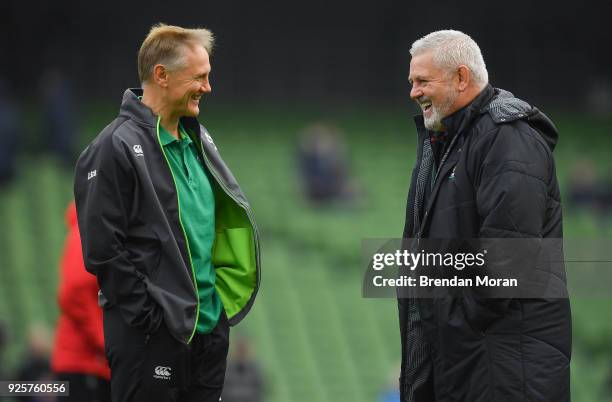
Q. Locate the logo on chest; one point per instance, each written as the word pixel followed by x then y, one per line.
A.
pixel 162 373
pixel 138 150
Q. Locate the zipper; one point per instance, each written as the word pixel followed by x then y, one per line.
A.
pixel 195 285
pixel 444 157
pixel 435 177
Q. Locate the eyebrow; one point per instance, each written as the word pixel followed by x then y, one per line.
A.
pixel 417 77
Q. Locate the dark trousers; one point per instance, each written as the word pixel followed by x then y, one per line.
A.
pixel 85 388
pixel 162 369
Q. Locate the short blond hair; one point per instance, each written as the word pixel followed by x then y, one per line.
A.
pixel 165 44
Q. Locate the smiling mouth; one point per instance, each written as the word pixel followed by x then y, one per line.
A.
pixel 196 97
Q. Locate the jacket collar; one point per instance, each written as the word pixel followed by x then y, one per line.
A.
pixel 133 108
pixel 459 120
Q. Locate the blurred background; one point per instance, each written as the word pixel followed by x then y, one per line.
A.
pixel 310 109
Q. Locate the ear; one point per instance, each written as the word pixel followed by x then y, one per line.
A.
pixel 160 75
pixel 464 77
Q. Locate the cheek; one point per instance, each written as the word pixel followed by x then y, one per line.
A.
pixel 437 95
pixel 178 95
pixel 192 90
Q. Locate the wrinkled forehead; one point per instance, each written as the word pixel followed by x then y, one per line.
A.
pixel 423 64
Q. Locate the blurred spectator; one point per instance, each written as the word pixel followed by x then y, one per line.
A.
pixel 243 378
pixel 323 165
pixel 35 364
pixel 390 395
pixel 605 203
pixel 587 190
pixel 9 134
pixel 78 355
pixel 599 96
pixel 59 117
pixel 391 392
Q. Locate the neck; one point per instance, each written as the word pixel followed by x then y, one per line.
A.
pixel 467 97
pixel 464 99
pixel 155 102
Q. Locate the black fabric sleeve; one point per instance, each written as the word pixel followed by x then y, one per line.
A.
pixel 103 189
pixel 511 195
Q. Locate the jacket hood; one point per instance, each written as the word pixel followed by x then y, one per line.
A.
pixel 505 107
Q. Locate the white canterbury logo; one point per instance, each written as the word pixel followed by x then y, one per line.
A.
pixel 138 150
pixel 162 372
pixel 91 175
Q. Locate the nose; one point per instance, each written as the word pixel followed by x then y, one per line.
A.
pixel 415 92
pixel 206 87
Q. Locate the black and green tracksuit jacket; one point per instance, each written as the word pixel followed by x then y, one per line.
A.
pixel 132 236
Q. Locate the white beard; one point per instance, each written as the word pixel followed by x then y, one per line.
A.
pixel 434 121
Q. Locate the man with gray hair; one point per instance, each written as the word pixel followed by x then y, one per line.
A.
pixel 484 170
pixel 166 230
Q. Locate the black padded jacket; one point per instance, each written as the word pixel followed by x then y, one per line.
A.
pixel 497 180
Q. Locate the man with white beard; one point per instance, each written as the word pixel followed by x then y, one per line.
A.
pixel 485 171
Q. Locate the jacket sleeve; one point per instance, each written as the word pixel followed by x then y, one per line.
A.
pixel 104 185
pixel 513 172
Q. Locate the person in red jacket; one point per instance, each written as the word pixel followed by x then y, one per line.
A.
pixel 78 353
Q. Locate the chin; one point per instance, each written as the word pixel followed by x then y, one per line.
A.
pixel 193 112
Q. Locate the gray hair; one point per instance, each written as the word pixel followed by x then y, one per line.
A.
pixel 452 49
